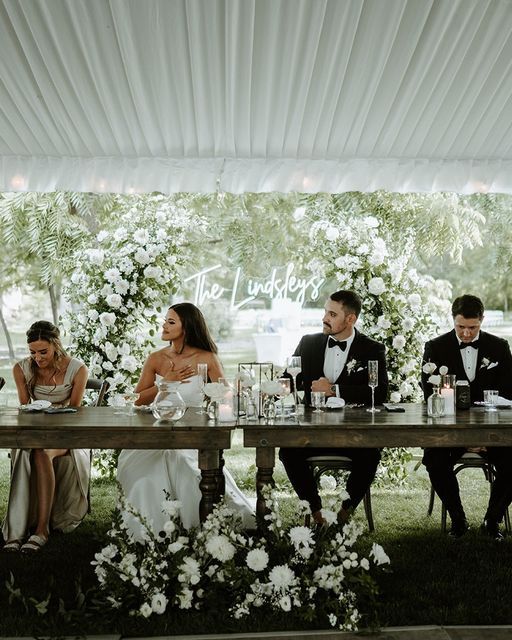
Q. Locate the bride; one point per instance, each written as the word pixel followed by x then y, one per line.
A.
pixel 146 475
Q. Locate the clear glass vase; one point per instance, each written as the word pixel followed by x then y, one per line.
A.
pixel 435 404
pixel 168 405
pixel 269 408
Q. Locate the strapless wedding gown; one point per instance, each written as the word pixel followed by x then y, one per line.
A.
pixel 145 475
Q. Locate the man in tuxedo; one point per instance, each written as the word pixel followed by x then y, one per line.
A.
pixel 486 362
pixel 336 362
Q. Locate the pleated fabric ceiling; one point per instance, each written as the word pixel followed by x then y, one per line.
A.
pixel 256 95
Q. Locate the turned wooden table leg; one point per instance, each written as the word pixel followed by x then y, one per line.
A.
pixel 209 460
pixel 265 461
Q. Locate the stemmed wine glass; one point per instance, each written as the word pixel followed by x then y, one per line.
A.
pixel 373 381
pixel 284 383
pixel 294 367
pixel 130 397
pixel 202 372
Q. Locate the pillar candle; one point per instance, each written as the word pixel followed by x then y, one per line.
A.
pixel 226 413
pixel 449 400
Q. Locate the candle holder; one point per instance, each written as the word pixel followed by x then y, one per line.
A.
pixel 448 392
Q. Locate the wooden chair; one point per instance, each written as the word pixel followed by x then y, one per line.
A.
pixel 469 460
pixel 102 387
pixel 324 464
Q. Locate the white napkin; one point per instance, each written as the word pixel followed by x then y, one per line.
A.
pixel 504 402
pixel 37 405
pixel 335 403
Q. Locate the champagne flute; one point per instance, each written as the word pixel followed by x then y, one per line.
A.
pixel 373 381
pixel 294 367
pixel 284 383
pixel 202 372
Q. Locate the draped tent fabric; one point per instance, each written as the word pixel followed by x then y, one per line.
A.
pixel 256 95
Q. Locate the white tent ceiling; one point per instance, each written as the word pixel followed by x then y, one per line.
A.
pixel 255 95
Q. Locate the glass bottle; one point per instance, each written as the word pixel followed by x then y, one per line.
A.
pixel 168 404
pixel 435 404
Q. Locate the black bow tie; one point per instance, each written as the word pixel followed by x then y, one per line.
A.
pixel 342 344
pixel 474 344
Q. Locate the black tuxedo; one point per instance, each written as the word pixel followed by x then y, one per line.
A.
pixel 353 388
pixel 493 371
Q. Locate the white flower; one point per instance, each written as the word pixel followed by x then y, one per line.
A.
pixel 301 536
pixel 429 367
pixel 414 299
pixel 399 342
pixel 129 363
pixel 408 324
pixel 443 370
pixel 285 603
pixel 328 482
pixel 146 610
pixel 141 236
pixel 190 571
pixel 257 559
pixel 376 286
pixel 158 603
pixel 282 577
pixel 141 256
pixel 120 234
pixel 434 380
pixel 395 396
pixel 185 599
pixel 332 619
pixel 215 390
pixel 114 300
pixel 376 259
pixel 371 222
pixel 332 234
pixel 220 548
pixel 111 275
pixel 93 315
pixel 365 564
pixel 121 286
pixel 270 387
pixel 406 389
pixel 152 272
pixel 379 555
pixel 102 235
pixel 171 507
pixel 383 322
pixel 107 319
pixel 96 256
pixel 92 298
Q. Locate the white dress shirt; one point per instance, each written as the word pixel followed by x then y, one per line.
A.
pixel 469 357
pixel 335 359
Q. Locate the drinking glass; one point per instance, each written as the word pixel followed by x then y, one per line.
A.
pixel 490 399
pixel 294 367
pixel 202 372
pixel 318 401
pixel 373 381
pixel 129 398
pixel 286 389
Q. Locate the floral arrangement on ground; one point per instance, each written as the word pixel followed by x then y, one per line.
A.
pixel 313 574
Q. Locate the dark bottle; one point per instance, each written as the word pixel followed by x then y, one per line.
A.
pixel 462 394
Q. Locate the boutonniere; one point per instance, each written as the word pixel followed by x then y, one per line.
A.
pixel 487 364
pixel 354 365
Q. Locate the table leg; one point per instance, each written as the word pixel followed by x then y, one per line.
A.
pixel 265 462
pixel 209 460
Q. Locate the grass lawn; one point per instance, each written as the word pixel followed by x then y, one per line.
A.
pixel 432 579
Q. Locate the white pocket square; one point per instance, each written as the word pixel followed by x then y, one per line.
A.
pixel 492 365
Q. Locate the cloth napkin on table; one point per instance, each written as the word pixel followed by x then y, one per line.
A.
pixel 334 403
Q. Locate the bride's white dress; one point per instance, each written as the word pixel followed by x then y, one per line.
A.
pixel 145 476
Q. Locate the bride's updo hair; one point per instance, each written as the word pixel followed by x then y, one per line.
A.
pixel 195 329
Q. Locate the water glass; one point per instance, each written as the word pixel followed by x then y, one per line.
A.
pixel 490 399
pixel 318 401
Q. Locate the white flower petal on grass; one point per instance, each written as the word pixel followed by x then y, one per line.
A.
pixel 257 559
pixel 379 555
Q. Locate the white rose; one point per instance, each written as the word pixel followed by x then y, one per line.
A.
pixel 93 315
pixel 92 298
pixel 383 322
pixel 120 234
pixel 376 286
pixel 399 342
pixel 141 256
pixel 110 351
pixel 408 324
pixel 376 259
pixel 414 299
pixel 114 300
pixel 129 363
pixel 141 236
pixel 395 396
pixel 96 256
pixel 158 603
pixel 146 610
pixel 107 319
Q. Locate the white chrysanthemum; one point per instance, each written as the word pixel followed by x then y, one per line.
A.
pixel 111 275
pixel 190 571
pixel 121 286
pixel 141 236
pixel 159 603
pixel 142 256
pixel 376 286
pixel 114 300
pixel 379 555
pixel 257 559
pixel 220 548
pixel 399 342
pixel 301 536
pixel 282 577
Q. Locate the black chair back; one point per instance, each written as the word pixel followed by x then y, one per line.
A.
pixel 2 382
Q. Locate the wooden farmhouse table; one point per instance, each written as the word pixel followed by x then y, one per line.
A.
pixel 103 428
pixel 355 427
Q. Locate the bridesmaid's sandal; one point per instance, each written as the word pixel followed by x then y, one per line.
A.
pixel 34 544
pixel 13 546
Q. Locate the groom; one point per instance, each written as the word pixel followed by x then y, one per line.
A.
pixel 485 362
pixel 336 362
